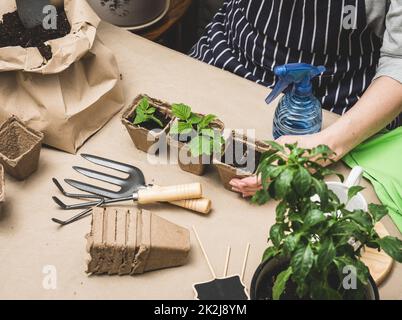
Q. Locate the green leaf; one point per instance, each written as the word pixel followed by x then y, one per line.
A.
pixel 361 217
pixel 206 121
pixel 362 272
pixel 174 128
pixel 140 118
pixel 302 262
pixel 321 190
pixel 280 283
pixel 282 183
pixel 261 197
pixel 275 145
pixel 321 291
pixel 290 243
pixel 150 110
pixel 143 105
pixel 326 254
pixel 154 119
pixel 328 172
pixel 181 111
pixel 392 246
pixel 269 253
pixel 281 210
pixel 354 191
pixel 377 211
pixel 208 132
pixel 276 234
pixel 200 145
pixel 321 150
pixel 302 181
pixel 184 127
pixel 195 118
pixel 313 217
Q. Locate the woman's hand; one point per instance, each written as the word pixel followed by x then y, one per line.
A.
pixel 249 186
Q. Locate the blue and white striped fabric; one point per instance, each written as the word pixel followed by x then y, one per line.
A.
pixel 251 37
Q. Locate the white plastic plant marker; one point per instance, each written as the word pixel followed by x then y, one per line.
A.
pixel 379 263
pixel 226 288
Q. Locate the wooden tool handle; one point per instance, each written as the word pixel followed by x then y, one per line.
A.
pixel 202 205
pixel 167 194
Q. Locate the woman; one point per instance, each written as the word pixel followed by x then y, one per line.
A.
pixel 358 41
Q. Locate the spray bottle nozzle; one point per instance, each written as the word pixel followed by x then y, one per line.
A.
pixel 299 74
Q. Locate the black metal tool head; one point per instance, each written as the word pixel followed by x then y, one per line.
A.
pixel 128 186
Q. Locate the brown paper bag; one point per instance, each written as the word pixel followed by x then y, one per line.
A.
pixel 69 97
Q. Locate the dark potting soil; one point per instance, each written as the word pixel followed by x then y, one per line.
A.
pixel 249 154
pixel 152 125
pixel 13 33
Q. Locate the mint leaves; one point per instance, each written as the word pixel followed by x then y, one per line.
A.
pixel 145 112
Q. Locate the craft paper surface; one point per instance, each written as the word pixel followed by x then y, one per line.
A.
pixel 26 226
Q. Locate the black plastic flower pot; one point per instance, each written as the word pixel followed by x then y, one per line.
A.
pixel 263 280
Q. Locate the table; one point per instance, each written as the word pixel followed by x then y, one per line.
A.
pixel 32 245
pixel 177 10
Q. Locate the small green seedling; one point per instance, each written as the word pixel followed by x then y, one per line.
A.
pixel 206 139
pixel 146 112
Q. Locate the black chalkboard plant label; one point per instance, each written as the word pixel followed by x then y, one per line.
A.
pixel 229 288
pixel 147 121
pixel 240 158
pixel 225 288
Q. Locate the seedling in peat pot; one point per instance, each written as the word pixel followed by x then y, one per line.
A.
pixel 200 135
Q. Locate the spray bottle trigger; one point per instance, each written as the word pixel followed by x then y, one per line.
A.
pixel 278 89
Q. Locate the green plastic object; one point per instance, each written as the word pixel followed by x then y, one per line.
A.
pixel 381 158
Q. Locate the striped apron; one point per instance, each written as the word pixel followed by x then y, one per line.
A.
pixel 251 37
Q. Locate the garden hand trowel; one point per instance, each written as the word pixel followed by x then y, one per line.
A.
pixel 31 11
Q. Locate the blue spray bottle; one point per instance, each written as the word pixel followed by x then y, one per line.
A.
pixel 299 111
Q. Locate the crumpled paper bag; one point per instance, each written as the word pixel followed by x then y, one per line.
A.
pixel 69 97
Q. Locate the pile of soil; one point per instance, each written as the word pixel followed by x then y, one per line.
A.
pixel 13 33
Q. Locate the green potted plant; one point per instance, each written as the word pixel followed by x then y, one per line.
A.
pixel 239 159
pixel 315 237
pixel 147 120
pixel 196 136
